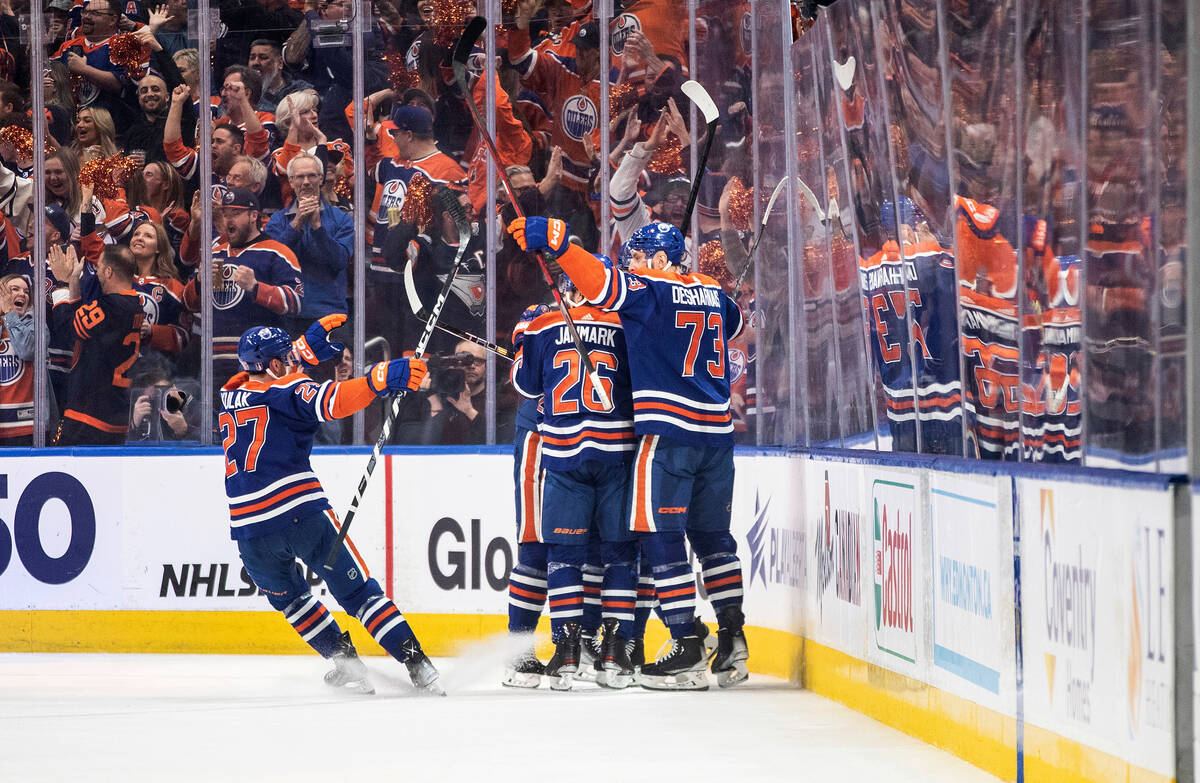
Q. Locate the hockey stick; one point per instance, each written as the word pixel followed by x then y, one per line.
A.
pixel 704 103
pixel 418 308
pixel 449 203
pixel 462 50
pixel 741 278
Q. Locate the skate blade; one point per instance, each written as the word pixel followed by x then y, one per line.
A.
pixel 613 678
pixel 561 682
pixel 431 689
pixel 361 687
pixel 735 676
pixel 522 680
pixel 683 681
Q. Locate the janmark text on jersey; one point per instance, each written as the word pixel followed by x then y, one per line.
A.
pixel 596 334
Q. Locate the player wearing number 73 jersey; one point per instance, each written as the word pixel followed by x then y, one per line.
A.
pixel 677 326
pixel 277 508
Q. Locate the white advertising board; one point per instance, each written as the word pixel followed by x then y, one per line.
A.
pixel 768 526
pixel 974 647
pixel 896 527
pixel 837 533
pixel 1097 631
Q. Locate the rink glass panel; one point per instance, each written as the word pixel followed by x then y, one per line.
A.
pixel 1066 118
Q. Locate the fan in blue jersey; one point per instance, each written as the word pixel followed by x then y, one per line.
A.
pixel 676 326
pixel 278 511
pixel 587 451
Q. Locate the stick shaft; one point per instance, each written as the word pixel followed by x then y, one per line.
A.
pixel 701 164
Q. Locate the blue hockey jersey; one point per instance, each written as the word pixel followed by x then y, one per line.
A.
pixel 909 298
pixel 678 328
pixel 267 432
pixel 575 428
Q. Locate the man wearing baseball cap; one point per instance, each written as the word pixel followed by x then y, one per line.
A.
pixel 417 155
pixel 255 279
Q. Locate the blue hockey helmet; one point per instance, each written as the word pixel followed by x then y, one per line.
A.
pixel 653 237
pixel 260 344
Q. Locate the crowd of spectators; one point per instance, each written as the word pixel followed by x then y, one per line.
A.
pixel 123 100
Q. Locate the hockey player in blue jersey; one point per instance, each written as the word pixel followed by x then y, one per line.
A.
pixel 278 509
pixel 527 582
pixel 677 326
pixel 587 451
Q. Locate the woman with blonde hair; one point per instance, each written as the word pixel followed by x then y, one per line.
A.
pixel 95 134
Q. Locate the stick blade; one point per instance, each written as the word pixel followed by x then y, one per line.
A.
pixel 471 33
pixel 699 96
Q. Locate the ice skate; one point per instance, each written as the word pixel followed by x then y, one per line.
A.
pixel 565 664
pixel 524 671
pixel 681 669
pixel 349 671
pixel 614 656
pixel 421 670
pixel 636 648
pixel 590 664
pixel 707 638
pixel 729 661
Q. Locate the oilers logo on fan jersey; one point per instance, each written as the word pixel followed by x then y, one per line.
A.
pixel 11 368
pixel 579 117
pixel 622 27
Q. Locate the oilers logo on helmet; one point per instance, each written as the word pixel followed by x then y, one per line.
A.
pixel 579 117
pixel 623 26
pixel 260 344
pixel 654 237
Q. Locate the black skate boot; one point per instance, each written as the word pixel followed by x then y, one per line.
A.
pixel 614 656
pixel 706 638
pixel 421 670
pixel 590 664
pixel 681 669
pixel 729 662
pixel 524 671
pixel 565 663
pixel 636 648
pixel 349 671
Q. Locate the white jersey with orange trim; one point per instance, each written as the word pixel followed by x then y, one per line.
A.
pixel 574 426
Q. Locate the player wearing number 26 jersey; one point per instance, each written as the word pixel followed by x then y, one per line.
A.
pixel 677 326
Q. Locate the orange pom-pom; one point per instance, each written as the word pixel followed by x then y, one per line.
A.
pixel 20 138
pixel 418 203
pixel 741 205
pixel 508 7
pixel 107 176
pixel 621 97
pixel 126 51
pixel 400 78
pixel 712 263
pixel 449 19
pixel 668 158
pixel 343 186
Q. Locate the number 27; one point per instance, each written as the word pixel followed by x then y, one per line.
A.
pixel 258 416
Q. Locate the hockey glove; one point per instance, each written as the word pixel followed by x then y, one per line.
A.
pixel 518 335
pixel 539 233
pixel 390 378
pixel 314 347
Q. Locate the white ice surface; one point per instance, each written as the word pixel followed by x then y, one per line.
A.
pixel 169 718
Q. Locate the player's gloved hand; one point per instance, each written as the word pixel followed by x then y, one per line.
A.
pixel 398 375
pixel 530 313
pixel 539 233
pixel 314 347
